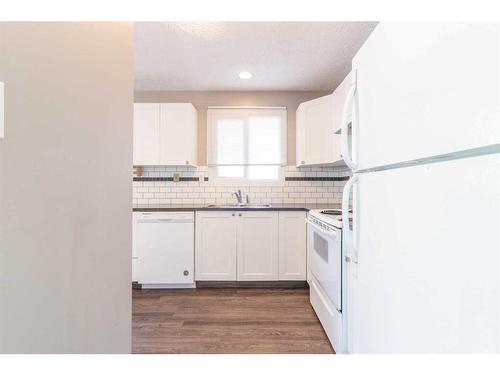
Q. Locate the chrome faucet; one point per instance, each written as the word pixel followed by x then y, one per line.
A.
pixel 238 196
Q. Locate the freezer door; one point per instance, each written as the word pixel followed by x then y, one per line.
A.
pixel 425 89
pixel 427 277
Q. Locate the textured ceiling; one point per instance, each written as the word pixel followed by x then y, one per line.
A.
pixel 280 55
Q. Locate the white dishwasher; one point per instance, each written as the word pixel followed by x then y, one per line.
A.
pixel 164 248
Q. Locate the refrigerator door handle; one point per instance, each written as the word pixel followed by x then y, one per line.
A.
pixel 346 118
pixel 347 234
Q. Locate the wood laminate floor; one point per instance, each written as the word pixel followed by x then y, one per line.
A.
pixel 236 320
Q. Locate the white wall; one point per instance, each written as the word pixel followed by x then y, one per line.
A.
pixel 65 194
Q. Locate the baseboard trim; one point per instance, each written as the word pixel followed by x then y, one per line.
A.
pixel 169 286
pixel 136 285
pixel 287 284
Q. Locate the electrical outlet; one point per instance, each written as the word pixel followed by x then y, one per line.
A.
pixel 177 177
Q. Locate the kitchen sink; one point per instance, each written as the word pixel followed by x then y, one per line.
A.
pixel 239 206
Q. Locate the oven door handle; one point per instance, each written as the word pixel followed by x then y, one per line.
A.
pixel 316 227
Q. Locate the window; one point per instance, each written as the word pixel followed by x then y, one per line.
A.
pixel 246 143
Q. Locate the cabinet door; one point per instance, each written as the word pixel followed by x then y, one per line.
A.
pixel 146 134
pixel 338 99
pixel 215 254
pixel 178 134
pixel 319 130
pixel 292 245
pixel 135 249
pixel 300 135
pixel 257 246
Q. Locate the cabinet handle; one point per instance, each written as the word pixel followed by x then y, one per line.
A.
pixel 239 214
pixel 187 161
pixel 233 214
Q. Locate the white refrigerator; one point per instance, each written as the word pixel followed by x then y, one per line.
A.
pixel 422 259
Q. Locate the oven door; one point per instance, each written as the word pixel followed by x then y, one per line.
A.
pixel 325 259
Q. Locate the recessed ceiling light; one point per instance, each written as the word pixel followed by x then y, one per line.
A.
pixel 245 75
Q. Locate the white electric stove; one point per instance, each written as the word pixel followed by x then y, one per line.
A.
pixel 326 270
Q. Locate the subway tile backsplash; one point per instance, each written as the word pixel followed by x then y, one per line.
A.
pixel 311 185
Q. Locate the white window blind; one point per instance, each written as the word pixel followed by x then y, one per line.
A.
pixel 247 143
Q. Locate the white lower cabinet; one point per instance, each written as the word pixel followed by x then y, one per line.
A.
pixel 135 250
pixel 134 269
pixel 292 245
pixel 257 248
pixel 250 246
pixel 215 245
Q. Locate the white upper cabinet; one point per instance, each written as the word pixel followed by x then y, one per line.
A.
pixel 178 134
pixel 165 134
pixel 300 127
pixel 146 134
pixel 316 123
pixel 338 100
pixel 318 116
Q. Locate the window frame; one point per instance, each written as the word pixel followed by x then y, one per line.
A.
pixel 214 113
